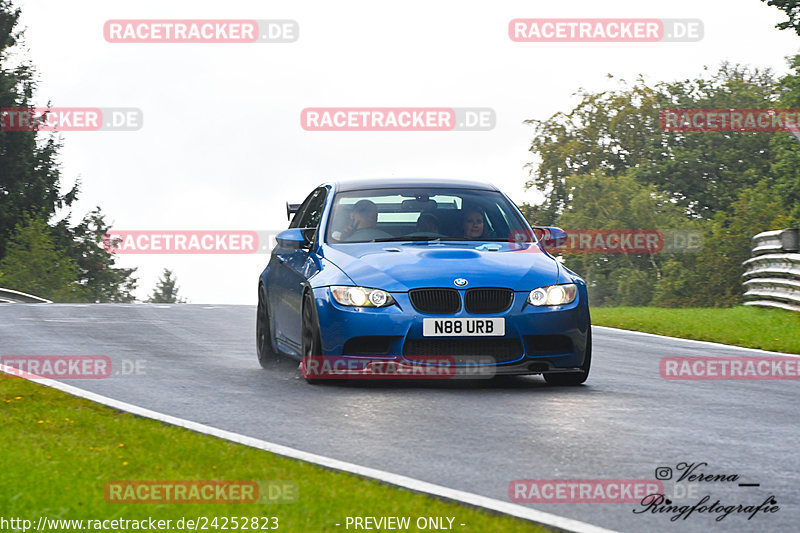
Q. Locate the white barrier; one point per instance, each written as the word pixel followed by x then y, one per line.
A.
pixel 9 296
pixel 772 275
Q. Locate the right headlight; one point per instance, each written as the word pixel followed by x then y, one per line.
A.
pixel 361 296
pixel 553 295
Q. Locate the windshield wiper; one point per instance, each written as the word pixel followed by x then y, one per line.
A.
pixel 408 238
pixel 442 238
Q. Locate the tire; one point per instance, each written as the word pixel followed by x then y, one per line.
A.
pixel 267 356
pixel 570 379
pixel 311 341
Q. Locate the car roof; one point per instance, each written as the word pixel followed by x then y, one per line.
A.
pixel 390 183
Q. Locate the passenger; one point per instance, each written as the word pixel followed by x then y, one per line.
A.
pixel 473 223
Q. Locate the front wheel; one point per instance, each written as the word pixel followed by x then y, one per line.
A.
pixel 311 341
pixel 266 355
pixel 574 378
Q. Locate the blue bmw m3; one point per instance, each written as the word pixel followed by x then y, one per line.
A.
pixel 421 272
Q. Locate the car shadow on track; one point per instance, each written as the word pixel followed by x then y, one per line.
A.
pixel 289 368
pixel 505 383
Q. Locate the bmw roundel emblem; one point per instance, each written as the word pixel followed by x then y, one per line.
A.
pixel 460 282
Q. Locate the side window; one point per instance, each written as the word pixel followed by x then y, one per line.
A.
pixel 310 213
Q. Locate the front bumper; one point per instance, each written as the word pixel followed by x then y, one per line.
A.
pixel 548 339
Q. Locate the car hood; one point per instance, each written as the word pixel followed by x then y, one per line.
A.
pixel 399 267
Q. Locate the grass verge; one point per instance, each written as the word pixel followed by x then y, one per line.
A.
pixel 58 452
pixel 752 327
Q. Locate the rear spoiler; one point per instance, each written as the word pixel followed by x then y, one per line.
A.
pixel 291 209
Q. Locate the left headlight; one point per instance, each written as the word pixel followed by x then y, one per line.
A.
pixel 553 295
pixel 361 297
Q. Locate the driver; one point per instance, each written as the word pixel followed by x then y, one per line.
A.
pixel 363 216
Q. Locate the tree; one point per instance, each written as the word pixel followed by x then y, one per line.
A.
pixel 616 131
pixel 715 280
pixel 601 202
pixel 34 265
pixel 30 183
pixel 29 173
pixel 785 170
pixel 600 134
pixel 792 10
pixel 166 291
pixel 84 244
pixel 607 163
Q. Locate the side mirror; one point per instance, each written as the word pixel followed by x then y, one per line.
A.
pixel 295 238
pixel 550 236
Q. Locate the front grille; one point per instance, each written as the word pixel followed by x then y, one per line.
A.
pixel 435 301
pixel 466 351
pixel 484 301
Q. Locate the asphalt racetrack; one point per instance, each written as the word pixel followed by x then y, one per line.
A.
pixel 198 362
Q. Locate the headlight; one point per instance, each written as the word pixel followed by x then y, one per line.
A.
pixel 361 297
pixel 553 295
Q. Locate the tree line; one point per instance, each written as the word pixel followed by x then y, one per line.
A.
pixel 608 164
pixel 42 251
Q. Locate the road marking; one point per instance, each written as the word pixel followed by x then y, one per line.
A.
pixel 717 344
pixel 415 485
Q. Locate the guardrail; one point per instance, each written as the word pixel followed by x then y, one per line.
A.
pixel 772 275
pixel 8 296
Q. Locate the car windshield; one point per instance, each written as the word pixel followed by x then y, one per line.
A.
pixel 423 214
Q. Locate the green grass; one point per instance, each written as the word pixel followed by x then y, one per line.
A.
pixel 751 327
pixel 59 451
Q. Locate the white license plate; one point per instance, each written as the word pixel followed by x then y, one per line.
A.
pixel 463 327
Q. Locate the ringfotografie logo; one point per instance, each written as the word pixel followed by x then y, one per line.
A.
pixel 689 477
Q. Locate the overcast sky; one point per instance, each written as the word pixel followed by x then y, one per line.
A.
pixel 222 146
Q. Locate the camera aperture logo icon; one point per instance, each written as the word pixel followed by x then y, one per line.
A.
pixel 663 473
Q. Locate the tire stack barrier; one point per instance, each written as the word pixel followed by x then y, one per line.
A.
pixel 772 275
